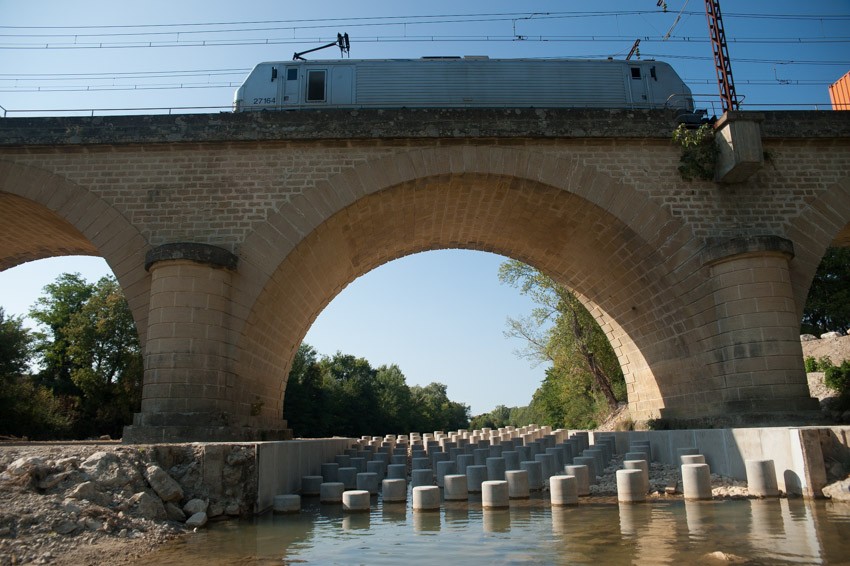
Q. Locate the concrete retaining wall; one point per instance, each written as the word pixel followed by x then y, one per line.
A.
pixel 280 465
pixel 799 454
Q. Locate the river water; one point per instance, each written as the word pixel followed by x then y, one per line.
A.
pixel 597 531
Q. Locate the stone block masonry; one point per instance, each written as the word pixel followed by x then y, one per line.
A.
pixel 301 204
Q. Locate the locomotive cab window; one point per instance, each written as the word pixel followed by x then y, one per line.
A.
pixel 316 86
pixel 292 74
pixel 635 72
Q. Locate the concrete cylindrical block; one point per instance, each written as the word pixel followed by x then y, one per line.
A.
pixel 421 477
pixel 761 478
pixel 475 476
pixel 394 490
pixel 288 503
pixel 344 460
pixel 558 453
pixel 397 471
pixel 355 500
pixel 495 468
pixel 310 485
pixel 348 476
pixel 580 473
pixel 547 463
pixel 630 486
pixel 535 474
pixel 445 468
pixel 463 461
pixel 359 462
pixel 696 481
pixel 368 481
pixel 420 463
pixel 494 494
pixel 396 459
pixel 456 488
pixel 517 484
pixel 590 463
pixel 511 459
pixel 330 472
pixel 686 451
pixel 331 492
pixel 481 455
pixel 378 468
pixel 641 465
pixel 426 498
pixel 692 459
pixel 599 454
pixel 563 490
pixel 524 453
pixel 636 455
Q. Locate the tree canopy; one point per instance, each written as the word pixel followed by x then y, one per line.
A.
pixel 585 381
pixel 343 395
pixel 828 304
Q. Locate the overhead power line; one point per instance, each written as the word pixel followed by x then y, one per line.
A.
pixel 431 19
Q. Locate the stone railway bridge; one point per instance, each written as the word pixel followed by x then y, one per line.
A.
pixel 230 233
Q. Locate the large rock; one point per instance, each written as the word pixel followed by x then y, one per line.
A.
pixel 196 520
pixel 106 469
pixel 23 469
pixel 838 491
pixel 164 485
pixel 826 335
pixel 174 513
pixel 89 491
pixel 195 506
pixel 148 506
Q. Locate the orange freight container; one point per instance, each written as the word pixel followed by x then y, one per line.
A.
pixel 839 93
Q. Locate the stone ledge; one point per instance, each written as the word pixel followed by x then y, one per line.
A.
pixel 718 251
pixel 199 253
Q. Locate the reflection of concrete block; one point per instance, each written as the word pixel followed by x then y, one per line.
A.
pixel 738 137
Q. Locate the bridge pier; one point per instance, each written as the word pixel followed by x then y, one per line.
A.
pixel 751 337
pixel 190 390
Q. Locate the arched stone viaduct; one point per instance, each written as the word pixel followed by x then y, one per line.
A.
pixel 231 233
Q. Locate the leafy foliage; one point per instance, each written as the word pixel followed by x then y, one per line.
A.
pixel 699 152
pixel 828 304
pixel 90 376
pixel 585 381
pixel 344 395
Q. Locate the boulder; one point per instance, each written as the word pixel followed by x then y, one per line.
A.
pixel 826 335
pixel 21 470
pixel 174 513
pixel 195 506
pixel 164 485
pixel 106 470
pixel 807 337
pixel 147 506
pixel 838 491
pixel 197 520
pixel 89 491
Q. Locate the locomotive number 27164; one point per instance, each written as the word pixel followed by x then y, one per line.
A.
pixel 264 101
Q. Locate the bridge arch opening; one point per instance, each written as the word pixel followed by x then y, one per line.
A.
pixel 568 237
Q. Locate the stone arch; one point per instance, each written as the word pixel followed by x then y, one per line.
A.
pixel 824 222
pixel 591 232
pixel 45 215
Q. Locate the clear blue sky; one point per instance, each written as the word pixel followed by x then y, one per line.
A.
pixel 439 315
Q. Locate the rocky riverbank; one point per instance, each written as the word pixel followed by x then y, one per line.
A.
pixel 76 503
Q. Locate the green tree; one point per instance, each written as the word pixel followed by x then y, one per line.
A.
pixel 435 411
pixel 395 402
pixel 62 299
pixel 15 346
pixel 585 378
pixel 105 358
pixel 828 304
pixel 26 409
pixel 89 353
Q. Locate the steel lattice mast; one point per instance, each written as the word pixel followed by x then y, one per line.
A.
pixel 722 64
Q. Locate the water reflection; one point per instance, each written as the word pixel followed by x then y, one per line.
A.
pixel 776 531
pixel 426 521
